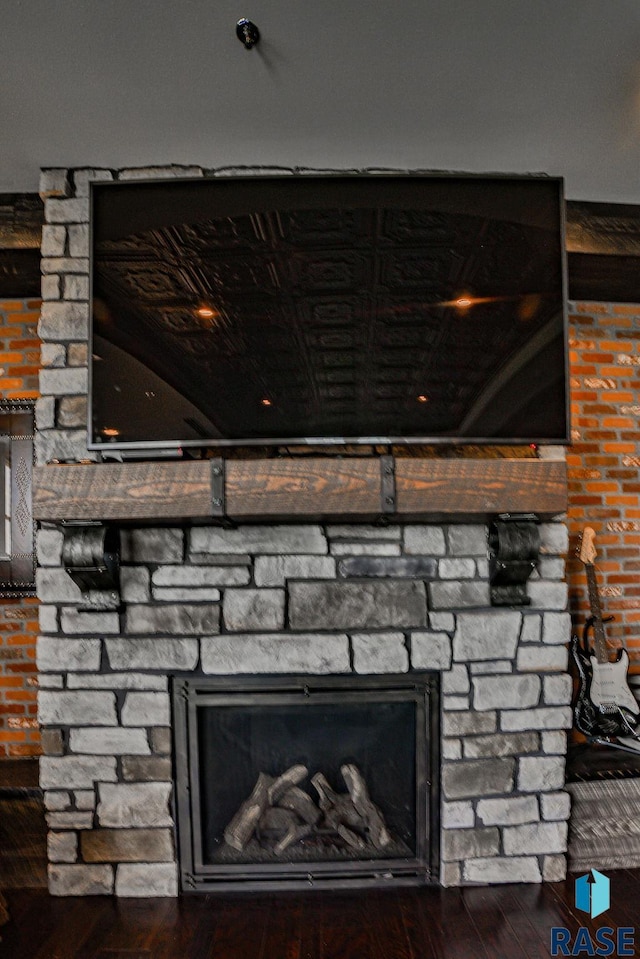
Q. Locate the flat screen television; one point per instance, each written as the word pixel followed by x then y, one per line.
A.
pixel 380 308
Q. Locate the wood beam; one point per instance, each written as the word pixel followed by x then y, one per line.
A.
pixel 314 488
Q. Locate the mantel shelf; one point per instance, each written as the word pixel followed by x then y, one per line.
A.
pixel 298 489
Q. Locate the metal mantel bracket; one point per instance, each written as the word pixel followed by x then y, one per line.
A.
pixel 514 548
pixel 91 557
pixel 387 485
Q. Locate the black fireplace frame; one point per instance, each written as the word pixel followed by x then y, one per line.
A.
pixel 189 694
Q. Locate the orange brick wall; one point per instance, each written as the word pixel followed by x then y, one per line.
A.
pixel 604 463
pixel 19 363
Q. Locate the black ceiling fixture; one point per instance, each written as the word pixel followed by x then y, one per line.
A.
pixel 247 33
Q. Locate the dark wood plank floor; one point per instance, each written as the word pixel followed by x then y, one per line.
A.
pixel 498 922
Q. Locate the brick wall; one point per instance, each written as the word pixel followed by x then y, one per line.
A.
pixel 604 479
pixel 19 364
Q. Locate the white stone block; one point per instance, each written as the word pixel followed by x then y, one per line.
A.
pixel 185 594
pixel 456 568
pixel 548 594
pixel 134 584
pixel 556 805
pixel 48 618
pixel 442 621
pixel 50 287
pixel 82 179
pixel 541 659
pixel 275 653
pixel 78 622
pixel 558 690
pixel 146 880
pixel 74 210
pixel 554 742
pixel 172 171
pixel 134 805
pixel 76 708
pixel 486 635
pixel 73 819
pixel 424 540
pixel 430 650
pixel 467 539
pixel 64 321
pixel 49 546
pixel 54 654
pixel 79 240
pixel 197 576
pixel 531 628
pixel 506 692
pixel 62 846
pixel 170 654
pixel 556 628
pixel 379 653
pixel 99 741
pixel 253 609
pixel 456 680
pixel 76 287
pixel 554 539
pixel 535 838
pixel 54 239
pixel 258 539
pixel 500 869
pixel 117 681
pixel 508 812
pixel 457 815
pixel 542 717
pixel 54 182
pixel 56 801
pixel 70 772
pixel 541 774
pixel 146 709
pixel 80 880
pixel 63 382
pixel 365 549
pixel 357 533
pixel 554 868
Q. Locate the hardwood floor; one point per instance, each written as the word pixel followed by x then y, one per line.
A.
pixel 498 922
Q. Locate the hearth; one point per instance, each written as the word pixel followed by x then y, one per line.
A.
pixel 289 782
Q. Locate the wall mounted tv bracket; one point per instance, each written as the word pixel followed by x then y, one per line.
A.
pixel 514 548
pixel 91 557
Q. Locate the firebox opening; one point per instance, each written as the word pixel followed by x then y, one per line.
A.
pixel 290 781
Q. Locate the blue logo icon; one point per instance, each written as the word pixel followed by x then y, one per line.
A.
pixel 593 893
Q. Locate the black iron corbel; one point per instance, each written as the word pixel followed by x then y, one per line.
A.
pixel 514 548
pixel 91 557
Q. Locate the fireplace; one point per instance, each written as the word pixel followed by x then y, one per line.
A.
pixel 351 576
pixel 289 782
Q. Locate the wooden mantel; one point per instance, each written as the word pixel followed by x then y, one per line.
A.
pixel 357 488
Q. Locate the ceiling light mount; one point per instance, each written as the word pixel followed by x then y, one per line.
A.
pixel 247 33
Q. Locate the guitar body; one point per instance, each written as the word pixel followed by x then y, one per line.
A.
pixel 608 687
pixel 604 704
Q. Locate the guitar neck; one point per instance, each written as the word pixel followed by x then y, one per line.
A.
pixel 599 642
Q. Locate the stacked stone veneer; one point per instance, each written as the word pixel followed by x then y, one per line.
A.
pixel 277 599
pixel 301 599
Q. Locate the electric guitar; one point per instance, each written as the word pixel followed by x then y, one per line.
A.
pixel 605 704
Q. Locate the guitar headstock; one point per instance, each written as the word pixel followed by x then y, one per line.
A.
pixel 587 550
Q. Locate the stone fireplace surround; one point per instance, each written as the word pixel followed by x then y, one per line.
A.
pixel 306 598
pixel 316 599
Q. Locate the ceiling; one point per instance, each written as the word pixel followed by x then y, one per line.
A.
pixel 506 85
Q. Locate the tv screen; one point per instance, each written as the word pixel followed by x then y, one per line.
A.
pixel 328 309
